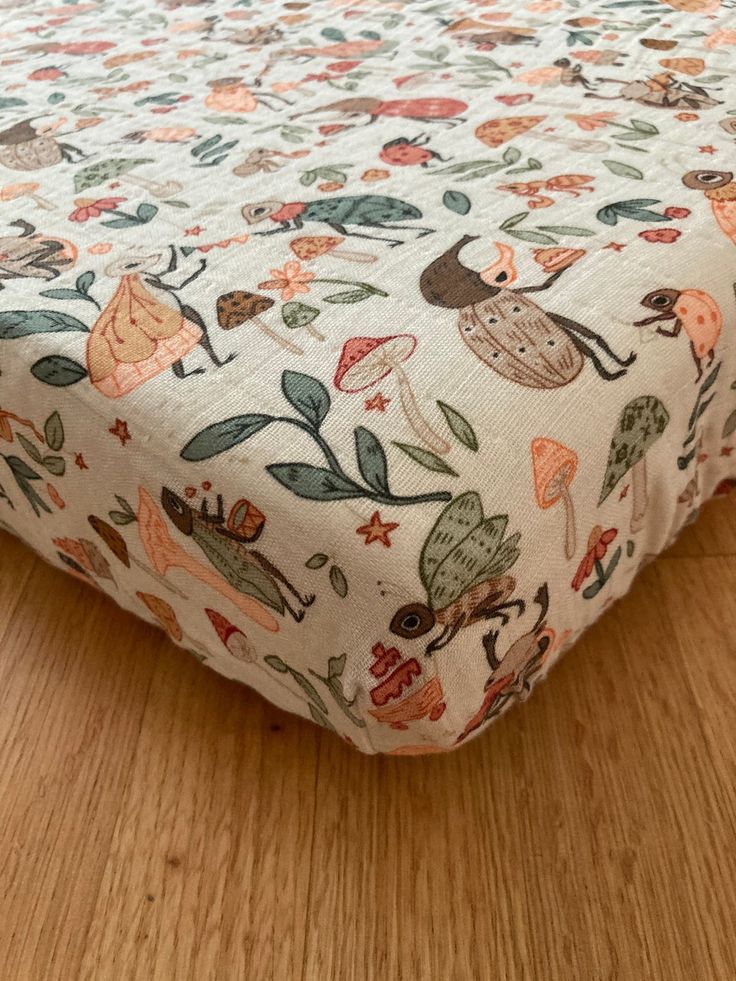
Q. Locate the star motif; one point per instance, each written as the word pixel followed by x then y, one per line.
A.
pixel 624 492
pixel 726 450
pixel 377 530
pixel 121 431
pixel 194 230
pixel 378 402
pixel 79 461
pixel 615 246
pixel 707 149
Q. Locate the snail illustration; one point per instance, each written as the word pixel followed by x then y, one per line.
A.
pixel 510 333
pixel 462 567
pixel 692 311
pixel 225 543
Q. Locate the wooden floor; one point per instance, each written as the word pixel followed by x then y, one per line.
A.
pixel 159 822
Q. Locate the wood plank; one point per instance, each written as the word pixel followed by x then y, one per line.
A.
pixel 209 865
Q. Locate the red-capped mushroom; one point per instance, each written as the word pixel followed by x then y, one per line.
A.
pixel 365 361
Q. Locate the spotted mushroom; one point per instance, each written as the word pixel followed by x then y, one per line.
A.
pixel 365 361
pixel 554 468
pixel 640 425
pixel 240 307
pixel 310 247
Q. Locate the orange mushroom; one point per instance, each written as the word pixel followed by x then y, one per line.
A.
pixel 13 191
pixel 685 66
pixel 496 132
pixel 164 554
pixel 554 468
pixel 310 247
pixel 552 260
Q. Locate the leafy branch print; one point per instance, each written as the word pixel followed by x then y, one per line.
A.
pixel 311 400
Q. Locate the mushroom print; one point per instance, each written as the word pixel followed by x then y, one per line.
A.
pixel 386 493
pixel 310 247
pixel 241 307
pixel 11 192
pixel 692 310
pixel 719 188
pixel 367 360
pixel 639 427
pixel 462 567
pixel 554 468
pixel 136 336
pixel 507 331
pixel 119 169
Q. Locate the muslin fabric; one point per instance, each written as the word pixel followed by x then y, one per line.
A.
pixel 369 348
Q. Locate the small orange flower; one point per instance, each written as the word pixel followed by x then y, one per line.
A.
pixel 90 208
pixel 687 117
pixel 594 120
pixel 598 542
pixel 291 280
pixel 100 248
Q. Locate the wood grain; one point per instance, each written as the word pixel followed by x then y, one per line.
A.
pixel 160 822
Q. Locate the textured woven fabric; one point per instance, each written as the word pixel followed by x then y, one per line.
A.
pixel 370 348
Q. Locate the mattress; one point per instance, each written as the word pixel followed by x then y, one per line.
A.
pixel 368 347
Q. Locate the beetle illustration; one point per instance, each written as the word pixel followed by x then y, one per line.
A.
pixel 32 255
pixel 573 184
pixel 23 147
pixel 447 111
pixel 663 90
pixel 510 333
pixel 405 152
pixel 226 546
pixel 462 567
pixel 511 675
pixel 363 210
pixel 692 311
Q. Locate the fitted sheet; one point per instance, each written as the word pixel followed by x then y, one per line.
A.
pixel 368 348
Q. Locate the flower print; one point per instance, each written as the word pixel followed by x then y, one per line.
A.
pixel 291 280
pixel 665 235
pixel 598 542
pixel 90 208
pixel 591 121
pixel 676 212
